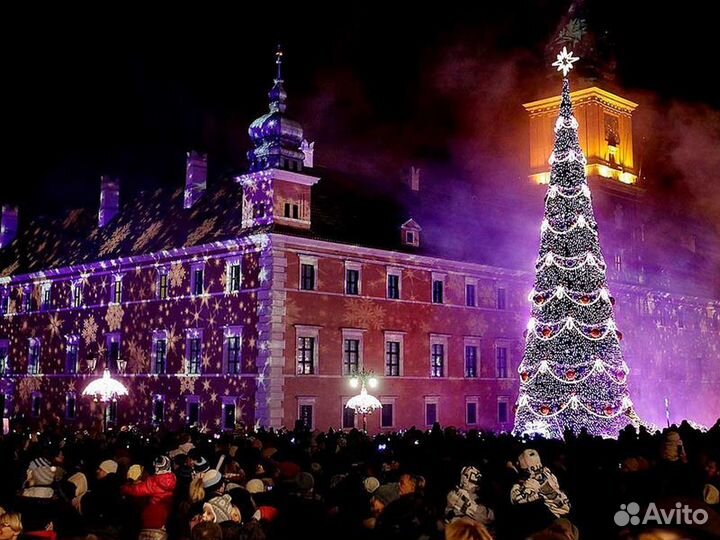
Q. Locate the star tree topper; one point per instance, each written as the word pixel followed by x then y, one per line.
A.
pixel 565 61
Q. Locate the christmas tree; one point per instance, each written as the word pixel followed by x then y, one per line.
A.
pixel 573 374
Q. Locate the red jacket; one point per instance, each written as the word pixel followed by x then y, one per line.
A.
pixel 160 489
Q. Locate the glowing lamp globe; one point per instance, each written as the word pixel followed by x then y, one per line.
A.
pixel 105 388
pixel 363 403
pixel 372 382
pixel 354 382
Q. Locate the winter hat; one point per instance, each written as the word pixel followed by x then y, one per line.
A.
pixel 268 453
pixel 201 465
pixel 305 481
pixel 81 485
pixel 134 472
pixel 43 476
pixel 387 493
pixel 371 484
pixel 255 486
pixel 38 462
pixel 529 460
pixel 267 513
pixel 470 478
pixel 161 464
pixel 109 466
pixel 221 507
pixel 288 470
pixel 211 478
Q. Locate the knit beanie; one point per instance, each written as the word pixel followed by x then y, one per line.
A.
pixel 529 460
pixel 134 472
pixel 43 476
pixel 266 513
pixel 371 484
pixel 387 493
pixel 200 465
pixel 221 507
pixel 211 478
pixel 255 486
pixel 161 464
pixel 109 466
pixel 38 462
pixel 305 481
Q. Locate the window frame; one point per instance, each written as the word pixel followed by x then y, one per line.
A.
pixel 34 356
pixel 307 332
pixel 159 336
pixel 398 337
pixel 438 342
pixel 189 401
pixel 233 344
pixel 502 345
pixel 472 342
pixel 472 400
pixel 438 295
pixel 431 400
pixel 72 342
pixel 308 260
pixel 307 401
pixel 352 334
pixel 353 268
pixel 197 269
pixel 395 273
pixel 389 401
pixel 163 284
pixel 116 292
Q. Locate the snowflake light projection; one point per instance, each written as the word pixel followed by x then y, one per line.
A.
pixel 573 375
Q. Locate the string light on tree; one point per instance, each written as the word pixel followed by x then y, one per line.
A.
pixel 573 375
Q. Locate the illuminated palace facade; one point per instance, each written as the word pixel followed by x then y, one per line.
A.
pixel 254 299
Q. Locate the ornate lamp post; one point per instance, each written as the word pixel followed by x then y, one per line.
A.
pixel 363 403
pixel 105 390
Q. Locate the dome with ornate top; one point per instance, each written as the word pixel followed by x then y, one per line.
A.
pixel 276 137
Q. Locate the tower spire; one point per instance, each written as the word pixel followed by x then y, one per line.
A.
pixel 278 61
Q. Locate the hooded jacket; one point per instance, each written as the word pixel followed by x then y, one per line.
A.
pixel 160 489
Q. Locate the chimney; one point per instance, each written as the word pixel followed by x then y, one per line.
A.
pixel 195 178
pixel 415 178
pixel 309 150
pixel 9 225
pixel 109 200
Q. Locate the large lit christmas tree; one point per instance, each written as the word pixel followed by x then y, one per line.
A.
pixel 572 375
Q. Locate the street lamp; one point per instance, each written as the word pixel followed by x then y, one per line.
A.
pixel 363 403
pixel 105 390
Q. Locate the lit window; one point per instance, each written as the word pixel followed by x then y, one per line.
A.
pixel 306 353
pixel 72 354
pixel 308 273
pixel 76 294
pixel 471 361
pixel 233 346
pixel 352 281
pixel 501 353
pixel 117 290
pixel 34 356
pixel 393 283
pixel 393 354
pixel 233 277
pixel 45 296
pixel 162 286
pixel 193 353
pixel 197 280
pixel 159 353
pixel 4 358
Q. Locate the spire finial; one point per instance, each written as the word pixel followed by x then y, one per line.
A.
pixel 565 61
pixel 278 61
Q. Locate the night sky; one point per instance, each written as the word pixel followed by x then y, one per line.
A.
pixel 127 93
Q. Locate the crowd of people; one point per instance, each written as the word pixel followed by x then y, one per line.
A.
pixel 430 485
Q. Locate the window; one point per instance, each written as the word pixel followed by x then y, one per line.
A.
pixel 192 414
pixel 193 352
pixel 36 407
pixel 307 338
pixel 410 233
pixel 437 290
pixel 158 409
pixel 233 276
pixel 162 286
pixel 348 417
pixel 287 210
pixel 502 409
pixel 351 356
pixel 438 348
pixel 410 237
pixel 34 356
pixel 159 353
pixel 471 361
pixel 471 410
pixel 26 300
pixel 501 298
pixel 72 353
pixel 5 303
pixel 117 290
pixel 393 283
pixel 306 354
pixel 470 295
pixel 70 405
pixel 45 296
pixel 112 354
pixel 308 272
pixel 352 281
pixel 431 411
pixel 618 262
pixel 502 362
pixel 393 354
pixel 306 416
pixel 76 294
pixel 197 279
pixel 295 211
pixel 437 364
pixel 387 415
pixel 233 358
pixel 4 356
pixel 229 413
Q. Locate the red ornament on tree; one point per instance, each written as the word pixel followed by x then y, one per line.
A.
pixel 612 300
pixel 524 376
pixel 539 299
pixel 570 375
pixel 619 335
pixel 595 332
pixel 585 300
pixel 547 332
pixel 545 410
pixel 609 411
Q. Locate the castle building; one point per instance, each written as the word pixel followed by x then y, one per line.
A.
pixel 255 299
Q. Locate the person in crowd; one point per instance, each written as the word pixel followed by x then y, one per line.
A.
pixel 207 530
pixel 159 490
pixel 462 501
pixel 466 529
pixel 711 487
pixel 538 483
pixel 11 526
